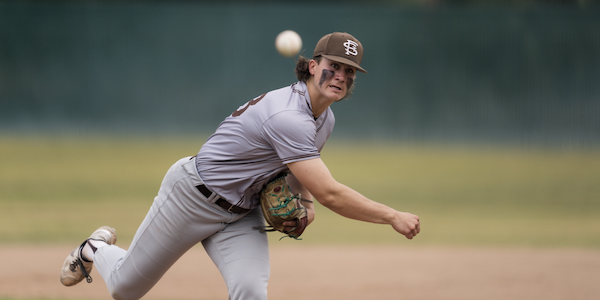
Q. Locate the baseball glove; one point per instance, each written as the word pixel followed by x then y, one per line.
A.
pixel 280 205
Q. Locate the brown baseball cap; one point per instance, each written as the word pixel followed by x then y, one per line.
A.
pixel 341 47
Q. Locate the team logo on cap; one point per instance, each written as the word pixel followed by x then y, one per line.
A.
pixel 351 47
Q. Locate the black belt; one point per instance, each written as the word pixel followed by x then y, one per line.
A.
pixel 221 202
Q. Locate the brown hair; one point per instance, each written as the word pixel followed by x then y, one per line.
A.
pixel 303 74
pixel 301 69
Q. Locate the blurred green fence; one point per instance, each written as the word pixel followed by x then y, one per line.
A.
pixel 450 74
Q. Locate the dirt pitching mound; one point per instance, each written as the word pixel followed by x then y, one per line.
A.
pixel 330 272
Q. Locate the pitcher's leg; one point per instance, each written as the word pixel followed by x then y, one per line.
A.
pixel 178 219
pixel 242 255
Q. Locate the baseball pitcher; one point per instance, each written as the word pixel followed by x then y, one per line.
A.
pixel 262 163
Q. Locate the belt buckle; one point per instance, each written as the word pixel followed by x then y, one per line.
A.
pixel 230 207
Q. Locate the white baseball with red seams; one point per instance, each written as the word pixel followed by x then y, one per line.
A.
pixel 288 43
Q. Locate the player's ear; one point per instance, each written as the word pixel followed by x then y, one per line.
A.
pixel 312 66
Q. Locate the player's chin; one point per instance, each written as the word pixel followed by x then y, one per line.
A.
pixel 338 95
pixel 341 97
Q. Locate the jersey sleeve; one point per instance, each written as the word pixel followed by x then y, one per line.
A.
pixel 292 135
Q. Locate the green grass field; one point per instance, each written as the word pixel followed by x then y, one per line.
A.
pixel 59 189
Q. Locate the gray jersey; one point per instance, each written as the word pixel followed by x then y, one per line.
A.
pixel 254 144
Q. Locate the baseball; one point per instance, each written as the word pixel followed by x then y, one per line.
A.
pixel 288 43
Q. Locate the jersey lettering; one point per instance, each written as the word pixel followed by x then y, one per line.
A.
pixel 240 111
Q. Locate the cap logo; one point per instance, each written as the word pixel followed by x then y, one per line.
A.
pixel 351 47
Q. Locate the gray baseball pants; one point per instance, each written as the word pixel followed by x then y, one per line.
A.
pixel 179 218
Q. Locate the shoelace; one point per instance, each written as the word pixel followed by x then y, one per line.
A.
pixel 88 278
pixel 79 263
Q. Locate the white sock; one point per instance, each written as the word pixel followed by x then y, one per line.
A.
pixel 90 249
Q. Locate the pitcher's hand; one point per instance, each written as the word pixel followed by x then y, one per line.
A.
pixel 406 224
pixel 310 214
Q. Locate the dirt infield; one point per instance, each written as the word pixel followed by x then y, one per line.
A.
pixel 340 273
